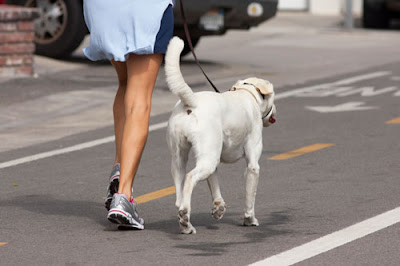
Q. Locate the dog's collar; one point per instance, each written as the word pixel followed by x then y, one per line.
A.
pixel 252 94
pixel 269 112
pixel 255 98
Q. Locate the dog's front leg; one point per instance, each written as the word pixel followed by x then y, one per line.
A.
pixel 252 172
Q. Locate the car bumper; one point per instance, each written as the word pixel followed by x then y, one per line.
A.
pixel 393 5
pixel 236 13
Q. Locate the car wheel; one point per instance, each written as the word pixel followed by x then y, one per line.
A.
pixel 375 15
pixel 60 28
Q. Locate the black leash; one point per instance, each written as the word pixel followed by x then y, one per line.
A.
pixel 187 33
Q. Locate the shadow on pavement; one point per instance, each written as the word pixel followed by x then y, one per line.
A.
pixel 48 205
pixel 212 240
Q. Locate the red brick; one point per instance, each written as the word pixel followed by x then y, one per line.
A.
pixel 18 48
pixel 11 26
pixel 16 37
pixel 16 60
pixel 24 70
pixel 26 25
pixel 28 59
pixel 13 13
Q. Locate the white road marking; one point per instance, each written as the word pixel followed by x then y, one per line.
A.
pixel 367 91
pixel 329 85
pixel 333 240
pixel 362 78
pixel 344 107
pixel 164 124
pixel 77 147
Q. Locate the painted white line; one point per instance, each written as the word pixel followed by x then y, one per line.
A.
pixel 344 107
pixel 346 81
pixel 164 124
pixel 362 77
pixel 334 240
pixel 77 147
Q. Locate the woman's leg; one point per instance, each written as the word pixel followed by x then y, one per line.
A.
pixel 119 107
pixel 142 72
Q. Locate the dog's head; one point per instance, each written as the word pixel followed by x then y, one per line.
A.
pixel 263 92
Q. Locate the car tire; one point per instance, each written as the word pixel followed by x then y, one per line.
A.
pixel 72 34
pixel 375 15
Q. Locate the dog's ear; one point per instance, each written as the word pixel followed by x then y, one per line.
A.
pixel 236 85
pixel 264 86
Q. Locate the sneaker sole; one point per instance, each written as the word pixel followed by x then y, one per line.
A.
pixel 113 189
pixel 123 221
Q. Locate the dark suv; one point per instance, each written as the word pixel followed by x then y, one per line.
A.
pixel 60 28
pixel 379 13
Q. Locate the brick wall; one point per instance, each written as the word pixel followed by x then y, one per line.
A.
pixel 16 40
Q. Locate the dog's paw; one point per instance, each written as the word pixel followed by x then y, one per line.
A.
pixel 250 221
pixel 185 226
pixel 187 230
pixel 218 210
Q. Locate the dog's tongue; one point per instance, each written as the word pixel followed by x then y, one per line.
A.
pixel 272 119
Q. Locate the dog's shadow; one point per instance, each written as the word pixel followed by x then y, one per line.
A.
pixel 212 238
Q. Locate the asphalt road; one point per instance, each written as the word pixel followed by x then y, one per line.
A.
pixel 329 164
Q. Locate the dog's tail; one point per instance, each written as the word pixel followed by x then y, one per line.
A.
pixel 175 80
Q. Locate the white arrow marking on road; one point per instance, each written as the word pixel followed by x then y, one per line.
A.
pixel 346 81
pixel 345 107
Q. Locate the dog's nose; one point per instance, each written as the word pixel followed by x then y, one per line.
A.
pixel 272 119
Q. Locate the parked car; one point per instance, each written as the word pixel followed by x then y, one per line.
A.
pixel 379 13
pixel 60 29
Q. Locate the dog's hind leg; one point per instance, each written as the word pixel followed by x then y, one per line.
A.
pixel 179 160
pixel 252 172
pixel 204 168
pixel 219 206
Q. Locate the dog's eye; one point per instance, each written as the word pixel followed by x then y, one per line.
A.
pixel 263 96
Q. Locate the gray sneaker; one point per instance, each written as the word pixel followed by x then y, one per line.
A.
pixel 113 185
pixel 123 212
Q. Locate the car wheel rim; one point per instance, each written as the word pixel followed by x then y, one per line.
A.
pixel 52 21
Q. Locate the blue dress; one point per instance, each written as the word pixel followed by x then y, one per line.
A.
pixel 120 27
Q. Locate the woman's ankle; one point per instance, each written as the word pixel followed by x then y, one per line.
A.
pixel 127 193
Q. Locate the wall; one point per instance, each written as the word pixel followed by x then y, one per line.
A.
pixel 16 40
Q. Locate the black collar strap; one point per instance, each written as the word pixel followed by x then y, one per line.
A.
pixel 269 113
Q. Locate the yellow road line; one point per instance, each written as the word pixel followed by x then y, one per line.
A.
pixel 156 195
pixel 394 121
pixel 3 243
pixel 301 151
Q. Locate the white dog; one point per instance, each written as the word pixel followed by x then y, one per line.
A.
pixel 221 127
